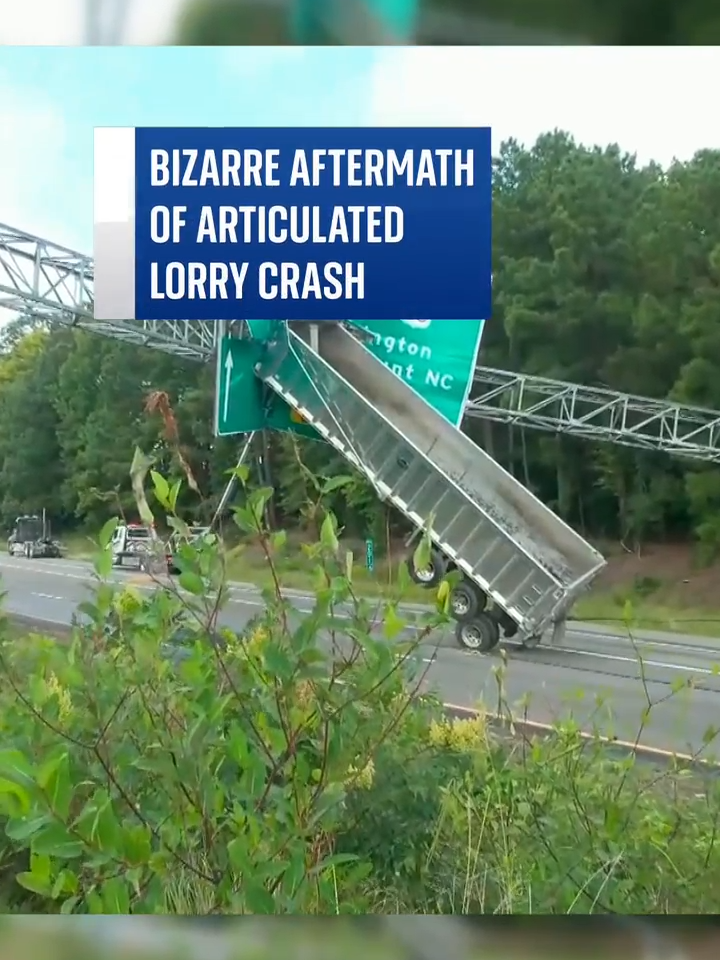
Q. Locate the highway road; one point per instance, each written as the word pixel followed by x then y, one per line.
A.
pixel 597 675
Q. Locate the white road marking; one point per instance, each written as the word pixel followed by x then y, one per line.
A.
pixel 239 595
pixel 27 566
pixel 646 663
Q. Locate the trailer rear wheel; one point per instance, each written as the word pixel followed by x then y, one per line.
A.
pixel 431 575
pixel 466 601
pixel 482 633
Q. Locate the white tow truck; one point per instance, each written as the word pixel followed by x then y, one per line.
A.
pixel 134 545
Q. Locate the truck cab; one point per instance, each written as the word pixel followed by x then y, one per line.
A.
pixel 31 538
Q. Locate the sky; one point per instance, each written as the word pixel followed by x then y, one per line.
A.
pixel 51 98
pixel 65 21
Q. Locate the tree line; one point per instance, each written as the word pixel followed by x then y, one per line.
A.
pixel 606 272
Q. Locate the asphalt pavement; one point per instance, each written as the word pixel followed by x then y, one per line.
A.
pixel 605 680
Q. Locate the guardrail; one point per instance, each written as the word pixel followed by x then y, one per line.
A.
pixel 514 728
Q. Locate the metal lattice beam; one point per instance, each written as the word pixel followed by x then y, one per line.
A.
pixel 596 413
pixel 45 281
pixel 54 284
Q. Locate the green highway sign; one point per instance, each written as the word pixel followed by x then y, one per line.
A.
pixel 437 358
pixel 242 402
pixel 238 408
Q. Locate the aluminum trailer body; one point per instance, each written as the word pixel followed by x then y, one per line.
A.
pixel 527 561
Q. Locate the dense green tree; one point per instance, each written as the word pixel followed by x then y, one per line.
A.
pixel 32 472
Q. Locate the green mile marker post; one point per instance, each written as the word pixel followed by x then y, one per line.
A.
pixel 370 555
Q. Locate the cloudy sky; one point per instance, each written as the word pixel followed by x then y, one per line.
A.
pixel 649 101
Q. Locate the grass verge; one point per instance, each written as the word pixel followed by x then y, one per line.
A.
pixel 616 610
pixel 16 628
pixel 643 614
pixel 78 546
pixel 295 572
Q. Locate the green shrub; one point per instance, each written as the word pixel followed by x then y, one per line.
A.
pixel 160 763
pixel 214 782
pixel 558 826
pixel 392 822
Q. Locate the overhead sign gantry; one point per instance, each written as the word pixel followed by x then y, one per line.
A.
pixel 51 283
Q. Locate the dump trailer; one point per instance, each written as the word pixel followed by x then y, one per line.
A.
pixel 521 567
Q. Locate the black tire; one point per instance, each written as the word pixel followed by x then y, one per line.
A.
pixel 466 601
pixel 434 572
pixel 481 634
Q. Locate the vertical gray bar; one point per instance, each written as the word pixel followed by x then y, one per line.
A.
pixel 114 223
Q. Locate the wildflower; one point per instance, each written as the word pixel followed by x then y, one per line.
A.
pixel 361 779
pixel 304 693
pixel 247 646
pixel 462 735
pixel 54 688
pixel 127 602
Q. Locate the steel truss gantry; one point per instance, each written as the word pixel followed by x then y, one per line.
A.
pixel 596 413
pixel 45 281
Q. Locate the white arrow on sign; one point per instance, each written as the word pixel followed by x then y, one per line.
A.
pixel 229 363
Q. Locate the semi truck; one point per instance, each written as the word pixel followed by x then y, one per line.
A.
pixel 31 537
pixel 520 568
